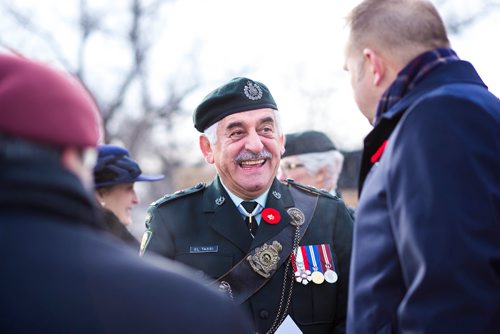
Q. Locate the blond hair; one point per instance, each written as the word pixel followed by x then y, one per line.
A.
pixel 401 29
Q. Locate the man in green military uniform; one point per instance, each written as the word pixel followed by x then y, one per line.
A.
pixel 281 251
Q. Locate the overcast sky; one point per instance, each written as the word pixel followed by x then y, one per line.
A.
pixel 294 47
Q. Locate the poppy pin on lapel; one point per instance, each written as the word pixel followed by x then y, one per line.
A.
pixel 376 156
pixel 271 216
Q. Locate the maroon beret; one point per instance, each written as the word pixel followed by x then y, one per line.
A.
pixel 46 106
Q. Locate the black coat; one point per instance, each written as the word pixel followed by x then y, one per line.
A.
pixel 61 274
pixel 197 218
pixel 116 228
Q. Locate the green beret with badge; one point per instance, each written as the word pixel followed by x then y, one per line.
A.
pixel 239 94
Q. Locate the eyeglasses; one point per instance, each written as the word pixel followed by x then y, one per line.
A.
pixel 291 166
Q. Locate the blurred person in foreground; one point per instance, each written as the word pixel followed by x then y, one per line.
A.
pixel 60 272
pixel 311 158
pixel 426 253
pixel 114 176
pixel 280 251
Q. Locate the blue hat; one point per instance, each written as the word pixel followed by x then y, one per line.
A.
pixel 114 166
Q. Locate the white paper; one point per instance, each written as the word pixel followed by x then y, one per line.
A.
pixel 288 326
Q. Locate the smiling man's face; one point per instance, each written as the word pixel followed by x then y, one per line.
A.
pixel 247 151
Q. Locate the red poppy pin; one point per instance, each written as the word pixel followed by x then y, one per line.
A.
pixel 376 157
pixel 271 216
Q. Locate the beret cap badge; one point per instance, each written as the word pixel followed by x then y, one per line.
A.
pixel 252 91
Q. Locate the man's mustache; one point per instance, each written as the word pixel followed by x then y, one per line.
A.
pixel 247 155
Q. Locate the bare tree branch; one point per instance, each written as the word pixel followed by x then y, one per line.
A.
pixel 88 24
pixel 45 36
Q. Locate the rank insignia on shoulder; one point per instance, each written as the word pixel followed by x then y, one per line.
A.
pixel 179 194
pixel 149 216
pixel 310 189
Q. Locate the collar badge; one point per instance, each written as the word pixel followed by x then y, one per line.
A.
pixel 276 194
pixel 220 200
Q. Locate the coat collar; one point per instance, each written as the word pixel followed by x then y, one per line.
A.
pixel 45 188
pixel 459 72
pixel 451 73
pixel 224 217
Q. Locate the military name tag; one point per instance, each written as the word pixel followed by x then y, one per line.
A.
pixel 203 249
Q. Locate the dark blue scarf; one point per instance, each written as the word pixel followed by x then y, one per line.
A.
pixel 411 75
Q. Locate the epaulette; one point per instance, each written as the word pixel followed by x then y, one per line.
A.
pixel 310 189
pixel 179 194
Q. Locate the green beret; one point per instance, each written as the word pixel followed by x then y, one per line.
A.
pixel 239 94
pixel 307 142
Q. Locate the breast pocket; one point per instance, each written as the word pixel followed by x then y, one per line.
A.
pixel 212 264
pixel 314 304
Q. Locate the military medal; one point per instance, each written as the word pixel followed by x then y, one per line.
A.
pixel 326 256
pixel 317 275
pixel 331 276
pixel 302 275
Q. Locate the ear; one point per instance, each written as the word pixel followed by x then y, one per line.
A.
pixel 71 160
pixel 320 175
pixel 100 197
pixel 376 63
pixel 206 149
pixel 282 141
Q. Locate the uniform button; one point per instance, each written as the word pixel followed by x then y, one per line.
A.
pixel 264 314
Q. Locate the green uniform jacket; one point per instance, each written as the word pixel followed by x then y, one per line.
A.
pixel 202 228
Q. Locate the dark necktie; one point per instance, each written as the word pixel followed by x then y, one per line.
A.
pixel 251 222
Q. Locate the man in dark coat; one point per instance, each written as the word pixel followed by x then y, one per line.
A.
pixel 247 247
pixel 60 272
pixel 426 252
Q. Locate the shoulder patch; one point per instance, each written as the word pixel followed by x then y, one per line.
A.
pixel 310 189
pixel 179 194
